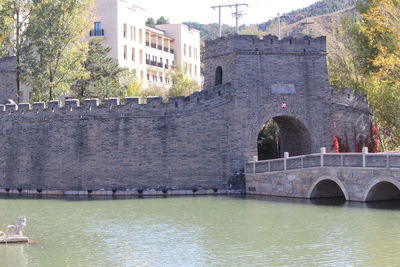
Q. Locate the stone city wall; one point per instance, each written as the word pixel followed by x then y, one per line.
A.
pixel 181 144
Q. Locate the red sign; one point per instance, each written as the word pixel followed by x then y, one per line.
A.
pixel 283 104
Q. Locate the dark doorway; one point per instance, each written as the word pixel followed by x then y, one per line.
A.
pixel 283 134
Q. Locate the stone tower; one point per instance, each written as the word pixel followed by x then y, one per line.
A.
pixel 285 80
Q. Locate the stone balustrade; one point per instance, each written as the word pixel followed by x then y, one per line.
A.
pixel 323 159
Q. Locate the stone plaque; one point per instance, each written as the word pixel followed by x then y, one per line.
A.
pixel 281 89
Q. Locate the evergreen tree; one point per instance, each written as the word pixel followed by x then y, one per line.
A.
pixel 102 77
pixel 150 22
pixel 162 20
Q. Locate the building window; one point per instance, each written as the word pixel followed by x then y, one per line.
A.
pixel 125 52
pixel 218 76
pixel 131 32
pixel 148 76
pixel 141 56
pixel 134 34
pixel 124 30
pixel 141 75
pixel 97 30
pixel 190 51
pixel 133 54
pixel 140 36
pixel 184 50
pixel 161 79
pixel 195 70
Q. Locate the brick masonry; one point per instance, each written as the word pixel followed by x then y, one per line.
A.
pixel 201 141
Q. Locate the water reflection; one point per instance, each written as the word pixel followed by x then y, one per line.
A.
pixel 13 255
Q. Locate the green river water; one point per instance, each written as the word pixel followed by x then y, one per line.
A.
pixel 201 231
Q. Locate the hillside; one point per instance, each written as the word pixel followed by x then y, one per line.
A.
pixel 317 9
pixel 326 15
pixel 323 25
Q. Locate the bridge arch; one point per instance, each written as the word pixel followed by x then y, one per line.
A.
pixel 326 187
pixel 281 134
pixel 382 188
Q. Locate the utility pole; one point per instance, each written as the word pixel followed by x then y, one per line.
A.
pixel 236 14
pixel 279 26
pixel 307 23
pixel 219 18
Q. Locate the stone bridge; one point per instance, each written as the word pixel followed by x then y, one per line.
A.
pixel 353 176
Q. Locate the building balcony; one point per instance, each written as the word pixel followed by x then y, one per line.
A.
pixel 147 43
pixel 159 64
pixel 96 32
pixel 171 51
pixel 153 45
pixel 166 66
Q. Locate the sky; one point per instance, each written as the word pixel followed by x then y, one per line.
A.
pixel 178 11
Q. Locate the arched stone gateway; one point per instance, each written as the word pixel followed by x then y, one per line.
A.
pixel 283 134
pixel 383 189
pixel 328 188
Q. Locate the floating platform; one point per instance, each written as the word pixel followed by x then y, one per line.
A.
pixel 14 239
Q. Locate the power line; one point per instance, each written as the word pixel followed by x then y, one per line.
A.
pixel 237 14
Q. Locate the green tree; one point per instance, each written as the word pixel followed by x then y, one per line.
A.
pixel 374 45
pixel 183 85
pixel 14 18
pixel 162 20
pixel 101 78
pixel 133 86
pixel 268 144
pixel 53 58
pixel 150 22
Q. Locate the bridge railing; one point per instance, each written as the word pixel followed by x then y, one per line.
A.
pixel 323 159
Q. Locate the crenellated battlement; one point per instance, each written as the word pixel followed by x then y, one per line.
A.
pixel 349 98
pixel 266 44
pixel 151 106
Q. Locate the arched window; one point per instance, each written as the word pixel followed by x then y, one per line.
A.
pixel 218 76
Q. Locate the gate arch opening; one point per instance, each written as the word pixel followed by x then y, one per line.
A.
pixel 327 189
pixel 283 134
pixel 383 191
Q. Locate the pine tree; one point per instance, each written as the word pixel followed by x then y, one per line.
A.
pixel 102 79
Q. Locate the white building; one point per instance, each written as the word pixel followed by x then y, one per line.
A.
pixel 151 52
